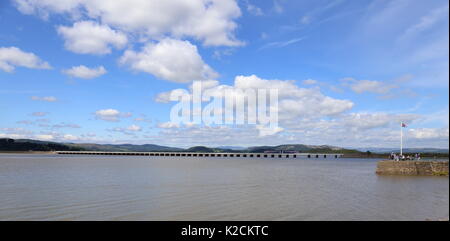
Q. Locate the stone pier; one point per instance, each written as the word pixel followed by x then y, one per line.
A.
pixel 413 168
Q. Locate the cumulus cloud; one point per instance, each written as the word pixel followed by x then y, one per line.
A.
pixel 20 133
pixel 305 116
pixel 45 137
pixel 110 115
pixel 12 57
pixel 429 133
pixel 16 131
pixel 88 37
pixel 168 125
pixel 130 130
pixel 69 137
pixel 44 98
pixel 293 102
pixel 134 128
pixel 309 82
pixel 211 21
pixel 347 130
pixel 254 10
pixel 13 136
pixel 169 59
pixel 43 7
pixel 84 72
pixel 268 131
pixel 371 86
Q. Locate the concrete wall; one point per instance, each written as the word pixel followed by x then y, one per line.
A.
pixel 413 168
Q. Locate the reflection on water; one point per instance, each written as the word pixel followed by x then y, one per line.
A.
pixel 50 187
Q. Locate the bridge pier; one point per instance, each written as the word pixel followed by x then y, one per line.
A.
pixel 212 155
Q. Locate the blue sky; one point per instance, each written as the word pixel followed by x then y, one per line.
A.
pixel 97 71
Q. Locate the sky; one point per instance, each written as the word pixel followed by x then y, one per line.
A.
pixel 348 72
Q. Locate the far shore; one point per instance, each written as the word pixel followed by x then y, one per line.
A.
pixel 428 156
pixel 28 152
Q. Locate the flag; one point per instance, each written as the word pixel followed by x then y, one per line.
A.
pixel 404 125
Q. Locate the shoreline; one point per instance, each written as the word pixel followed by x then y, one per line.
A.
pixel 349 156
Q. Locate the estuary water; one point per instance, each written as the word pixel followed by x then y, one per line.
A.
pixel 52 187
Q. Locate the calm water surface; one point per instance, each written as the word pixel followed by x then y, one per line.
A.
pixel 51 187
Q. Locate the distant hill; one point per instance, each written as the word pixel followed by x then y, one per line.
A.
pixel 236 148
pixel 406 150
pixel 31 145
pixel 35 145
pixel 209 149
pixel 302 148
pixel 200 149
pixel 124 147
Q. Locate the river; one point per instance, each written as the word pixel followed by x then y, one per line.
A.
pixel 53 187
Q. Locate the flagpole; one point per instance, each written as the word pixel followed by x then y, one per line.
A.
pixel 401 139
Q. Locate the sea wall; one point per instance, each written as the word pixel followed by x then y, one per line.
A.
pixel 413 168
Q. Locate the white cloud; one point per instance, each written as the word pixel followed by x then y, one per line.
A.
pixel 13 136
pixel 371 86
pixel 254 10
pixel 130 130
pixel 268 131
pixel 309 82
pixel 69 137
pixel 168 125
pixel 44 98
pixel 281 44
pixel 429 133
pixel 45 137
pixel 43 7
pixel 169 59
pixel 88 37
pixel 110 115
pixel 143 118
pixel 218 54
pixel 12 57
pixel 134 128
pixel 426 22
pixel 84 72
pixel 294 103
pixel 211 21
